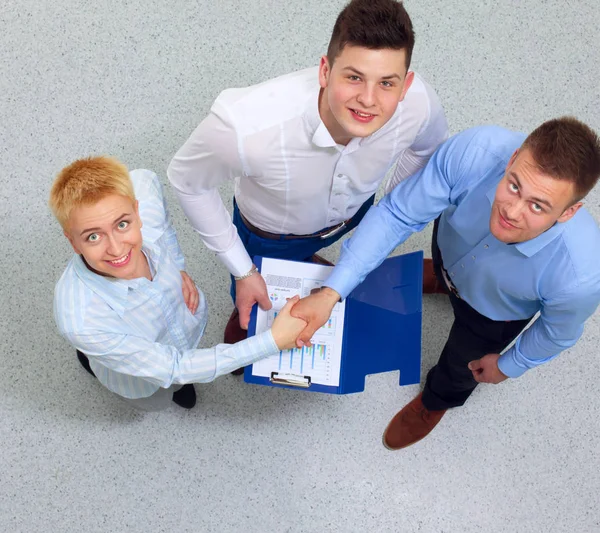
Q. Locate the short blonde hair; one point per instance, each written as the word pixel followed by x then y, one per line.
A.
pixel 87 181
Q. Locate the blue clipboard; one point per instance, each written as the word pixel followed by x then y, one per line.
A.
pixel 382 329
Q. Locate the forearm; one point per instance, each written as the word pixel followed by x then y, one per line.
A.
pixel 405 210
pixel 154 211
pixel 171 239
pixel 209 158
pixel 207 214
pixel 204 365
pixel 246 352
pixel 165 365
pixel 535 347
pixel 558 327
pixel 374 239
pixel 173 246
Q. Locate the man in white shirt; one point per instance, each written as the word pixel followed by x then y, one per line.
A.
pixel 308 150
pixel 125 301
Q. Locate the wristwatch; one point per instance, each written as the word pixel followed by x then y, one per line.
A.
pixel 247 274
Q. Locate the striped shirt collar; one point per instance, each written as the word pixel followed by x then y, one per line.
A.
pixel 112 290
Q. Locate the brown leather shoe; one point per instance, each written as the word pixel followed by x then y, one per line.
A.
pixel 431 285
pixel 234 333
pixel 410 425
pixel 320 260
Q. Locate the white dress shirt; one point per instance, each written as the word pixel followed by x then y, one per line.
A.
pixel 138 334
pixel 290 175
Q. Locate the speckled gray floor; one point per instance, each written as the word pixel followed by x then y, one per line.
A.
pixel 133 79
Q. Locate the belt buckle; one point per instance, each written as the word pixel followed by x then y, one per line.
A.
pixel 334 231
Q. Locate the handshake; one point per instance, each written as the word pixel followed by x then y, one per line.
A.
pixel 298 320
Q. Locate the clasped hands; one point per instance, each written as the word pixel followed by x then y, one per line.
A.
pixel 301 319
pixel 296 322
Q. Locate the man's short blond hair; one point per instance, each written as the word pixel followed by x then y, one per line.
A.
pixel 86 182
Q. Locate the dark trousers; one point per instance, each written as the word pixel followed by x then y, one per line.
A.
pixel 450 382
pixel 301 249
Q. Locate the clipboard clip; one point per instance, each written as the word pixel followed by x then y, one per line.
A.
pixel 292 380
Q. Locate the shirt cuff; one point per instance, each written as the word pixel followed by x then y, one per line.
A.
pixel 236 259
pixel 342 280
pixel 253 349
pixel 508 365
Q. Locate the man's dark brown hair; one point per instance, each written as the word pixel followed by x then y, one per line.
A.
pixel 565 148
pixel 373 24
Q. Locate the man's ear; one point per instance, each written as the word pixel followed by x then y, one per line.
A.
pixel 410 76
pixel 569 212
pixel 512 159
pixel 324 72
pixel 71 240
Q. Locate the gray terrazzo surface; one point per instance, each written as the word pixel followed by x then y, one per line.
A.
pixel 133 79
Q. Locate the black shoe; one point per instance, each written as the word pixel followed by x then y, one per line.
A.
pixel 185 397
pixel 85 363
pixel 238 371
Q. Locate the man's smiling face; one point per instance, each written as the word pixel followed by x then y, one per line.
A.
pixel 529 202
pixel 361 90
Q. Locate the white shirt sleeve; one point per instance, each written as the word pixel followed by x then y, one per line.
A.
pixel 208 159
pixel 433 133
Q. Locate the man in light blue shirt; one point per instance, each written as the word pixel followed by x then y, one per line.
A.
pixel 511 240
pixel 125 301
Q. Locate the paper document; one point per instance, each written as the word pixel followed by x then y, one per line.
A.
pixel 322 361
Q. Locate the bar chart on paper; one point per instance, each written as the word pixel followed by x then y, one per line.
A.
pixel 322 360
pixel 314 360
pixel 301 361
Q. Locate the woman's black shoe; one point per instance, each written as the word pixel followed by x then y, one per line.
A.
pixel 185 397
pixel 85 363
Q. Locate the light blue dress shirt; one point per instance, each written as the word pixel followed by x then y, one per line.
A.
pixel 556 273
pixel 139 335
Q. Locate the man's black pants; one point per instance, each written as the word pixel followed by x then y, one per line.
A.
pixel 450 382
